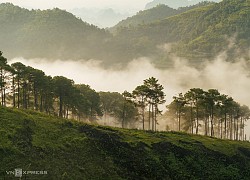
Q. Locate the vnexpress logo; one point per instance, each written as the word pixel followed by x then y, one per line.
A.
pixel 18 172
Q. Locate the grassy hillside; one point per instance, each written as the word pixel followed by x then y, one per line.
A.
pixel 71 150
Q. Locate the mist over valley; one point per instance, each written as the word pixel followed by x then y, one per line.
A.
pixel 231 78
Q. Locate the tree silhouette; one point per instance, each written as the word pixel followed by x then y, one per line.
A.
pixel 63 88
pixel 140 98
pixel 155 96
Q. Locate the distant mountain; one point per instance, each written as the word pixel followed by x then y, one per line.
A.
pixel 49 34
pixel 157 13
pixel 175 3
pixel 100 17
pixel 193 32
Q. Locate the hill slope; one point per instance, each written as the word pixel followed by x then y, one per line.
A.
pixel 198 33
pixel 70 150
pixel 48 34
pixel 148 16
pixel 155 14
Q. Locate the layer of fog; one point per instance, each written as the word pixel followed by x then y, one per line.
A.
pixel 231 78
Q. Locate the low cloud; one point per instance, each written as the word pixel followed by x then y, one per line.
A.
pixel 231 78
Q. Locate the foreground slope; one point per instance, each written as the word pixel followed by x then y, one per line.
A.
pixel 71 150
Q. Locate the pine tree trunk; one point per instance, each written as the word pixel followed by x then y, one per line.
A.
pixel 191 120
pixel 123 116
pixel 60 106
pixel 205 126
pixel 4 96
pixel 225 127
pixel 231 127
pixel 14 91
pixel 1 86
pixel 212 122
pixel 149 116
pixel 67 113
pixel 143 118
pixel 197 119
pixel 237 129
pixel 234 130
pixel 153 121
pixel 35 97
pixel 179 118
pixel 24 96
pixel 143 114
pixel 28 97
pixel 155 116
pixel 243 130
pixel 18 91
pixel 41 103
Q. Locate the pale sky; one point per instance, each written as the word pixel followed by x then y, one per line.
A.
pixel 70 4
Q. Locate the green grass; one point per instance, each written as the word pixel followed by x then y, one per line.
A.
pixel 73 150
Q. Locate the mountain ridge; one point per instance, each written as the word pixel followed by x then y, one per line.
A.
pixel 158 13
pixel 196 34
pixel 201 30
pixel 175 4
pixel 56 28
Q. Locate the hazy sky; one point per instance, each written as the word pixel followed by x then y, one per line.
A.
pixel 70 4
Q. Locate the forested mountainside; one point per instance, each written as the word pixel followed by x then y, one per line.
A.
pixel 65 149
pixel 48 33
pixel 155 14
pixel 176 3
pixel 199 33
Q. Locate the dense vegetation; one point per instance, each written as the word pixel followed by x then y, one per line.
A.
pixel 200 32
pixel 69 150
pixel 29 88
pixel 49 33
pixel 157 13
pixel 196 34
pixel 210 112
pixel 197 112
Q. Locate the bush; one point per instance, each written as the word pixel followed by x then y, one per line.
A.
pixel 23 136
